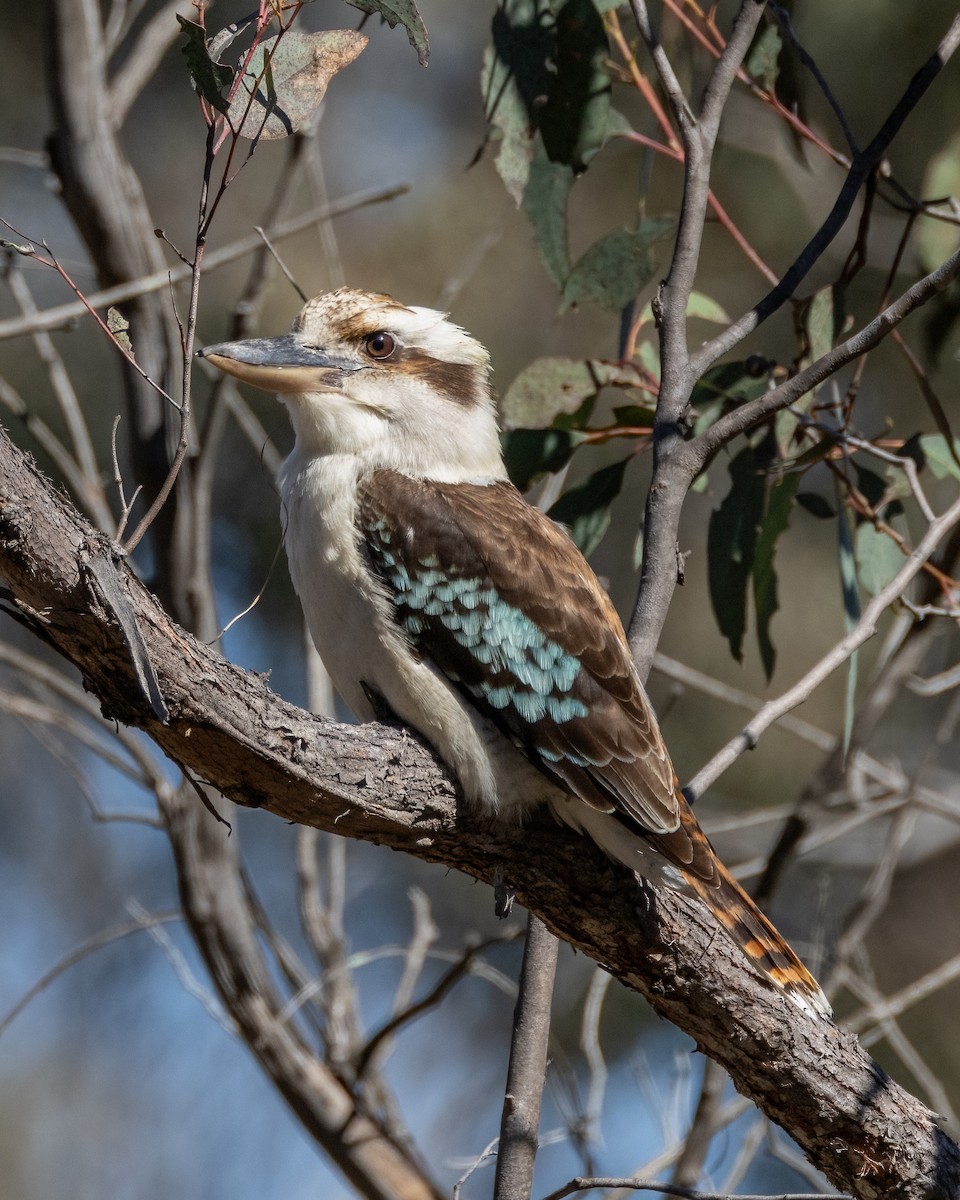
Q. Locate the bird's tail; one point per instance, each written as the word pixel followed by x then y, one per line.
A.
pixel 685 860
pixel 759 940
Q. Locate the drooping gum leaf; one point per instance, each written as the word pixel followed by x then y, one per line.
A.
pixel 819 324
pixel 210 79
pixel 731 546
pixel 707 309
pixel 615 269
pixel 817 505
pixel 400 12
pixel 937 453
pixel 851 615
pixel 286 79
pixel 722 387
pixel 585 509
pixel 878 558
pixel 776 518
pixel 762 61
pixel 870 484
pixel 552 387
pixel 545 203
pixel 513 79
pixel 529 453
pixel 937 240
pixel 574 120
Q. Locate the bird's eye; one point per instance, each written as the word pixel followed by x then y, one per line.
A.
pixel 380 345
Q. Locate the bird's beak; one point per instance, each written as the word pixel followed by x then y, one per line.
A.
pixel 280 364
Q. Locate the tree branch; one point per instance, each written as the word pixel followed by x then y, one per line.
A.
pixel 379 784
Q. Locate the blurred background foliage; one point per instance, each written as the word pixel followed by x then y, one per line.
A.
pixel 115 1080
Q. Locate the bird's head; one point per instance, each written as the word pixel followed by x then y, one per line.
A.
pixel 395 386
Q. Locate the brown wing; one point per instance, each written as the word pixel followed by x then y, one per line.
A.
pixel 499 598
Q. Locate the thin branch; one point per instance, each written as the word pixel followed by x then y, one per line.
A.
pixel 435 996
pixel 92 494
pixel 865 1019
pixel 106 937
pixel 64 314
pixel 834 658
pixel 527 1071
pixel 703 1127
pixel 748 416
pixel 593 1052
pixel 860 168
pixel 669 1189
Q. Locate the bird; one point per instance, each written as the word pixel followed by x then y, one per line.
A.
pixel 433 590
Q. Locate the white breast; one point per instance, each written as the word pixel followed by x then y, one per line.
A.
pixel 351 622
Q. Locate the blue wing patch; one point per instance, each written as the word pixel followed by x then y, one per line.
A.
pixel 516 665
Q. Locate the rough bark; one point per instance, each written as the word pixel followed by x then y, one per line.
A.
pixel 380 784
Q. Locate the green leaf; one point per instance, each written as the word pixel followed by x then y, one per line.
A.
pixel 615 269
pixel 210 79
pixel 513 78
pixel 937 240
pixel 575 119
pixel 545 203
pixel 878 558
pixel 286 79
pixel 818 506
pixel 553 387
pixel 870 484
pixel 707 309
pixel 762 61
pixel 776 518
pixel 851 615
pixel 529 453
pixel 400 12
pixel 819 324
pixel 725 387
pixel 585 509
pixel 731 546
pixel 936 450
pixel 629 415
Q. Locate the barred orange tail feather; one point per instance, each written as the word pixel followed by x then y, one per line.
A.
pixel 684 859
pixel 760 942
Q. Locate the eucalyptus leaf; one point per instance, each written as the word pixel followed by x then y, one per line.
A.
pixel 707 309
pixel 817 505
pixel 766 602
pixel 878 557
pixel 936 450
pixel 731 546
pixel 574 120
pixel 530 453
pixel 616 269
pixel 286 79
pixel 762 63
pixel 545 203
pixel 554 387
pixel 400 12
pixel 585 509
pixel 210 79
pixel 937 240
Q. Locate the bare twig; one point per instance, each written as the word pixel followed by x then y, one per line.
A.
pixel 703 1127
pixel 669 1189
pixel 860 168
pixel 860 633
pixel 526 1074
pixel 64 314
pixel 106 937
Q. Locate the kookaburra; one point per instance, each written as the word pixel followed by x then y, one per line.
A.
pixel 430 583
